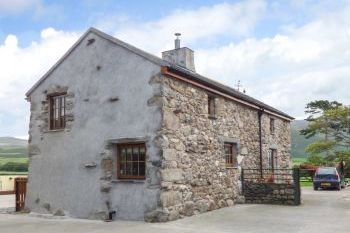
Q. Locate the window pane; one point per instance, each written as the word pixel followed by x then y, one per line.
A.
pixel 122 166
pixel 128 168
pixel 123 155
pixel 227 149
pixel 129 153
pixel 63 107
pixel 132 158
pixel 231 152
pixel 135 154
pixel 142 153
pixel 142 168
pixel 57 112
pixel 211 105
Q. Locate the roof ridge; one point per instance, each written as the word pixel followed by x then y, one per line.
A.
pixel 161 62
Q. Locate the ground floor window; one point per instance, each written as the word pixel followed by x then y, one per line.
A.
pixel 131 161
pixel 231 152
pixel 272 159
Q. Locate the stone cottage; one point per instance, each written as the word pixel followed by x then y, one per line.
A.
pixel 118 133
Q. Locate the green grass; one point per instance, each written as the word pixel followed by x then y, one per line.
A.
pixel 298 161
pixel 14 160
pixel 304 182
pixel 5 173
pixel 13 152
pixel 19 161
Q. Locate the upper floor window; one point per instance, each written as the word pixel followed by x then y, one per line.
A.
pixel 57 111
pixel 131 161
pixel 211 106
pixel 231 152
pixel 272 125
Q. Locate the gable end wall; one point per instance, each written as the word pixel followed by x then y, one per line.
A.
pixel 111 94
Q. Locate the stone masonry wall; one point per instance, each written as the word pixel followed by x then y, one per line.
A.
pixel 194 177
pixel 40 113
pixel 269 193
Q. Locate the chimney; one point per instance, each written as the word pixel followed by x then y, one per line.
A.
pixel 180 56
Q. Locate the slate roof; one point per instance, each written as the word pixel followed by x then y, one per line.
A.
pixel 154 59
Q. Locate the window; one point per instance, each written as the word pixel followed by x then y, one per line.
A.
pixel 131 161
pixel 272 159
pixel 231 153
pixel 211 106
pixel 272 126
pixel 57 111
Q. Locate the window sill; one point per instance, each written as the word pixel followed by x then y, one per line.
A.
pixel 127 181
pixel 232 167
pixel 54 130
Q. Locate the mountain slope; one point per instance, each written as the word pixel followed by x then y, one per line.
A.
pixel 13 147
pixel 299 142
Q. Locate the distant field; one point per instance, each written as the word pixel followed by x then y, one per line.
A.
pixel 5 173
pixel 14 160
pixel 298 161
pixel 13 152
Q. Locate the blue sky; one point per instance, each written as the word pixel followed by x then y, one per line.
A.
pixel 28 17
pixel 28 20
pixel 285 53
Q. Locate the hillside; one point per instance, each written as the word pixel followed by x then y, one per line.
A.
pixel 13 147
pixel 299 142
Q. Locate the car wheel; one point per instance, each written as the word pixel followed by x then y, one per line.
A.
pixel 315 188
pixel 339 187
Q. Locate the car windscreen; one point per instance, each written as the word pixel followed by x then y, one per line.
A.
pixel 325 171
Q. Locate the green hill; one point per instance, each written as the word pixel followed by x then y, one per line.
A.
pixel 13 147
pixel 299 142
pixel 13 155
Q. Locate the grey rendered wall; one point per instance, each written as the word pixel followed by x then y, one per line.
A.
pixel 109 89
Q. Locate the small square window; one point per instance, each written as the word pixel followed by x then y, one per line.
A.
pixel 211 106
pixel 131 161
pixel 231 152
pixel 272 125
pixel 57 111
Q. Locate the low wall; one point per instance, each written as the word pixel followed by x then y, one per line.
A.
pixel 7 182
pixel 270 193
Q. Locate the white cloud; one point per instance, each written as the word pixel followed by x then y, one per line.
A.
pixel 15 6
pixel 20 68
pixel 237 19
pixel 289 69
pixel 296 65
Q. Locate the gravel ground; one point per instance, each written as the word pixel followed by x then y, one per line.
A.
pixel 321 211
pixel 7 202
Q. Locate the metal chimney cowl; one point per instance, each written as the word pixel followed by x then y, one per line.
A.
pixel 180 56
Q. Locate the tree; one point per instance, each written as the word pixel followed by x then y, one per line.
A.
pixel 316 110
pixel 339 123
pixel 317 160
pixel 318 107
pixel 332 120
pixel 320 123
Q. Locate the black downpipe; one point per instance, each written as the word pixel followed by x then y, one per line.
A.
pixel 260 113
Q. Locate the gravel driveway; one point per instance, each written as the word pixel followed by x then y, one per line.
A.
pixel 7 202
pixel 321 211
